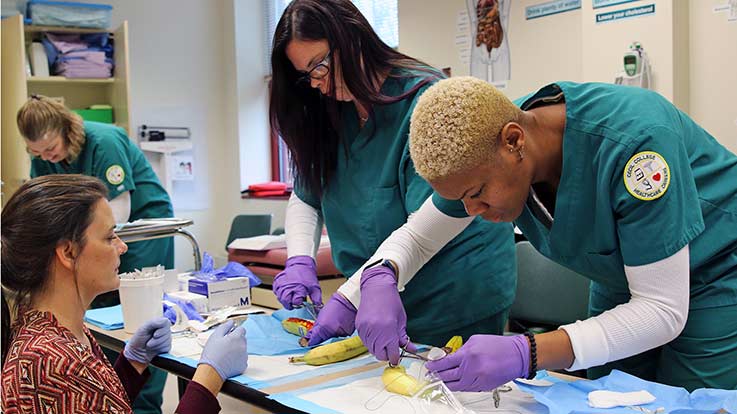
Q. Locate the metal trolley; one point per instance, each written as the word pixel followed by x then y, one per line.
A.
pixel 157 228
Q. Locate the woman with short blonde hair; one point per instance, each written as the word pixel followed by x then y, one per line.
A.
pixel 616 184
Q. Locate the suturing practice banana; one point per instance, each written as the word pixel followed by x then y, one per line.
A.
pixel 331 353
pixel 397 380
pixel 297 326
pixel 453 344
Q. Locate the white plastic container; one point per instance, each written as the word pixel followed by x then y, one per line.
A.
pixel 171 280
pixel 39 61
pixel 141 301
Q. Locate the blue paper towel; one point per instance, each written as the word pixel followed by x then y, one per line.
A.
pixel 567 397
pixel 267 337
pixel 110 318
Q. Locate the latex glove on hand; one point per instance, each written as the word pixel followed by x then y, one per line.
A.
pixel 297 281
pixel 337 318
pixel 381 320
pixel 226 351
pixel 484 363
pixel 151 339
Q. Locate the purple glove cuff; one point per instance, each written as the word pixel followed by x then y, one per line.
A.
pixel 522 345
pixel 378 274
pixel 301 260
pixel 343 301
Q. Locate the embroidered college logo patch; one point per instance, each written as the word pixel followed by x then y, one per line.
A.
pixel 647 176
pixel 115 174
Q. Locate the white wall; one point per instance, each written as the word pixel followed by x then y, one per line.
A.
pixel 693 50
pixel 183 70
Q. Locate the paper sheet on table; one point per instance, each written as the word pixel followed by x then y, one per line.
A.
pixel 365 394
pixel 182 346
pixel 278 370
pixel 109 318
pixel 266 371
pixel 267 337
pixel 263 367
pixel 564 397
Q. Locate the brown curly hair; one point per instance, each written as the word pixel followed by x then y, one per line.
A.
pixel 41 115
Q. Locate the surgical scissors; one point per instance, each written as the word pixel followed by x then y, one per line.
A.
pixel 312 309
pixel 409 354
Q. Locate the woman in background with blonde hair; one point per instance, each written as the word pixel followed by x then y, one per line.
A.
pixel 62 143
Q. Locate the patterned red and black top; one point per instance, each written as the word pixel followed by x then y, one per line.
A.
pixel 47 370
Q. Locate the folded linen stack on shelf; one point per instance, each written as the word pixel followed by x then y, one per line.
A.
pixel 86 55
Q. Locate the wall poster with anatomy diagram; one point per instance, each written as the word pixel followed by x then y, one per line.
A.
pixel 489 24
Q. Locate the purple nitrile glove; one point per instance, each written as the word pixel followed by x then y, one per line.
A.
pixel 225 351
pixel 381 320
pixel 484 363
pixel 296 282
pixel 337 318
pixel 151 339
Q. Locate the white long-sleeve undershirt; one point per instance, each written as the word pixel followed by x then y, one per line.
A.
pixel 303 228
pixel 410 246
pixel 655 314
pixel 121 206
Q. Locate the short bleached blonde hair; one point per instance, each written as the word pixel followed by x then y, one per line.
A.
pixel 455 124
pixel 41 115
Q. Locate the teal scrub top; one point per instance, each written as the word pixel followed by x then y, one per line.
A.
pixel 111 156
pixel 373 191
pixel 640 181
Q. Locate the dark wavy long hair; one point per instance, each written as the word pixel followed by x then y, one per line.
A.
pixel 42 213
pixel 308 122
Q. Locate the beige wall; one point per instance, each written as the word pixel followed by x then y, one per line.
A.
pixel 604 43
pixel 693 50
pixel 427 31
pixel 207 71
pixel 184 56
pixel 543 50
pixel 713 70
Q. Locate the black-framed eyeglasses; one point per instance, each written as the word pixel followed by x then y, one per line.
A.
pixel 318 72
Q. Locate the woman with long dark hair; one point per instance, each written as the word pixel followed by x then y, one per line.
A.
pixel 341 99
pixel 62 143
pixel 59 251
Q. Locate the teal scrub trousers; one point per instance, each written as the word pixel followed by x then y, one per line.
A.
pixel 703 355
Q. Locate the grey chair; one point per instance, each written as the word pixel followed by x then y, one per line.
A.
pixel 248 225
pixel 548 294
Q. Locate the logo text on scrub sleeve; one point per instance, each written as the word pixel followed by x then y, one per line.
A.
pixel 646 176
